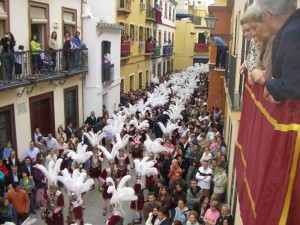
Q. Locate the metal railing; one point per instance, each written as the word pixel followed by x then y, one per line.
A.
pixel 167 50
pixel 125 4
pixel 125 48
pixel 19 66
pixel 201 47
pixel 150 13
pixel 107 72
pixel 156 51
pixel 149 47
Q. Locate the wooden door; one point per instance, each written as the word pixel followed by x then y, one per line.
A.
pixel 42 113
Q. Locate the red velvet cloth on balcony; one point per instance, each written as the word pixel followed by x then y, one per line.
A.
pixel 149 47
pixel 201 47
pixel 158 16
pixel 267 160
pixel 125 48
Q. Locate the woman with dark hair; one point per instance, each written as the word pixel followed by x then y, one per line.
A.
pixel 164 198
pixel 35 47
pixel 8 42
pixel 181 211
pixel 61 133
pixel 53 47
pixel 152 219
pixel 204 206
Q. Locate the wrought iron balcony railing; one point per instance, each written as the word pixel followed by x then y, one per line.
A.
pixel 167 50
pixel 22 67
pixel 156 52
pixel 201 47
pixel 124 6
pixel 125 49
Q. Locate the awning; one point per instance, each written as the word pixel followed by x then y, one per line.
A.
pixel 3 14
pixel 39 21
pixel 68 19
pixel 182 16
pixel 38 15
pixel 201 57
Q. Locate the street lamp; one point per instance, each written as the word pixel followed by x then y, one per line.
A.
pixel 211 22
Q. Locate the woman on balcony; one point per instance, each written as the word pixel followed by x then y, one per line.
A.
pixel 53 47
pixel 8 42
pixel 35 47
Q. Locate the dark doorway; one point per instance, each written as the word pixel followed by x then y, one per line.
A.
pixel 42 113
pixel 201 38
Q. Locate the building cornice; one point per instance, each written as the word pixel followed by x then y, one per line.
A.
pixel 109 26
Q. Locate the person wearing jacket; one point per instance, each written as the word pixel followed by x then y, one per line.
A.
pixel 8 42
pixel 27 184
pixel 181 211
pixel 193 196
pixel 204 176
pixel 220 181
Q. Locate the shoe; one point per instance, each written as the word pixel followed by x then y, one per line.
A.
pixel 104 212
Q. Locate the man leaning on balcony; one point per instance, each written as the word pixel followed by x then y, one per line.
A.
pixel 283 19
pixel 221 51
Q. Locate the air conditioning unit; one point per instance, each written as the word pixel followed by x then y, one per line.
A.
pixel 141 46
pixel 142 6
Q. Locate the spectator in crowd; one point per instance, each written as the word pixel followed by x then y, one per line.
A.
pixel 182 164
pixel 53 47
pixel 225 215
pixel 204 176
pixel 40 183
pixel 77 42
pixel 91 120
pixel 181 211
pixel 68 130
pixel 12 160
pixel 62 144
pixel 32 152
pixel 3 168
pixel 67 51
pixel 13 176
pixel 174 168
pixel 51 142
pixel 212 214
pixel 220 183
pixel 36 134
pixel 61 133
pixel 7 150
pixel 221 51
pixel 50 157
pixel 193 196
pixel 35 47
pixel 20 201
pixel 41 146
pixel 153 219
pixel 27 184
pixel 148 206
pixel 192 218
pixel 162 216
pixel 178 180
pixel 164 198
pixel 27 166
pixel 8 42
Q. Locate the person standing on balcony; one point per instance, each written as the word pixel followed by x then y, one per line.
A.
pixel 283 19
pixel 221 51
pixel 77 47
pixel 35 47
pixel 18 63
pixel 67 51
pixel 8 42
pixel 53 47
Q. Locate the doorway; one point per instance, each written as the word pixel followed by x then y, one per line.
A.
pixel 42 113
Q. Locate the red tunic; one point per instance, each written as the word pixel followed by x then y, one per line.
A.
pixel 139 203
pixel 96 166
pixel 58 218
pixel 123 165
pixel 104 174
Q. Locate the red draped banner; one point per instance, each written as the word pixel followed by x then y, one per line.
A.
pixel 267 160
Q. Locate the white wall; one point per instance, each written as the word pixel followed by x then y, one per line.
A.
pixel 103 9
pixel 94 36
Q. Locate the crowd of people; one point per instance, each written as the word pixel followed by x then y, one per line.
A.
pixel 13 61
pixel 189 161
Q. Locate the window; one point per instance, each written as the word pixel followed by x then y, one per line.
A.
pixel 166 10
pixel 131 84
pixel 141 34
pixel 164 67
pixel 140 79
pixel 71 106
pixel 154 69
pixel 201 38
pixel 131 32
pixel 69 21
pixel 147 77
pixel 159 38
pixel 170 13
pixel 169 37
pixel 171 66
pixel 39 21
pixel 173 15
pixel 7 126
pixel 3 17
pixel 173 38
pixel 122 86
pixel 165 37
pixel 159 69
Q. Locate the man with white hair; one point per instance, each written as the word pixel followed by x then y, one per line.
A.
pixel 283 20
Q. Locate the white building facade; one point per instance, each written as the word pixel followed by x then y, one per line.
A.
pixel 102 35
pixel 54 97
pixel 164 34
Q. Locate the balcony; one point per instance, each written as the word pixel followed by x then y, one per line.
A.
pixel 125 49
pixel 124 6
pixel 150 13
pixel 34 67
pixel 167 50
pixel 149 48
pixel 201 47
pixel 107 73
pixel 235 98
pixel 156 52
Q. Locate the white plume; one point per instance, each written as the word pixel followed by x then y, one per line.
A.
pixel 95 139
pixel 81 156
pixel 169 128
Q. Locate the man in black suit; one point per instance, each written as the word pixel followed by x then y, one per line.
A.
pixel 162 216
pixel 91 120
pixel 13 176
pixel 27 167
pixel 12 160
pixel 69 130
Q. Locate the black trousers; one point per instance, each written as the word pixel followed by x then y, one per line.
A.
pixel 221 56
pixel 21 217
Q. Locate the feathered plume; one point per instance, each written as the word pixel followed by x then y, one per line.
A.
pixel 121 194
pixel 145 167
pixel 155 146
pixel 81 156
pixel 112 130
pixel 121 143
pixel 140 126
pixel 95 139
pixel 52 171
pixel 169 128
pixel 75 183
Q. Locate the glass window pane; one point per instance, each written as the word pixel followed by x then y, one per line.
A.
pixel 5 127
pixel 70 107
